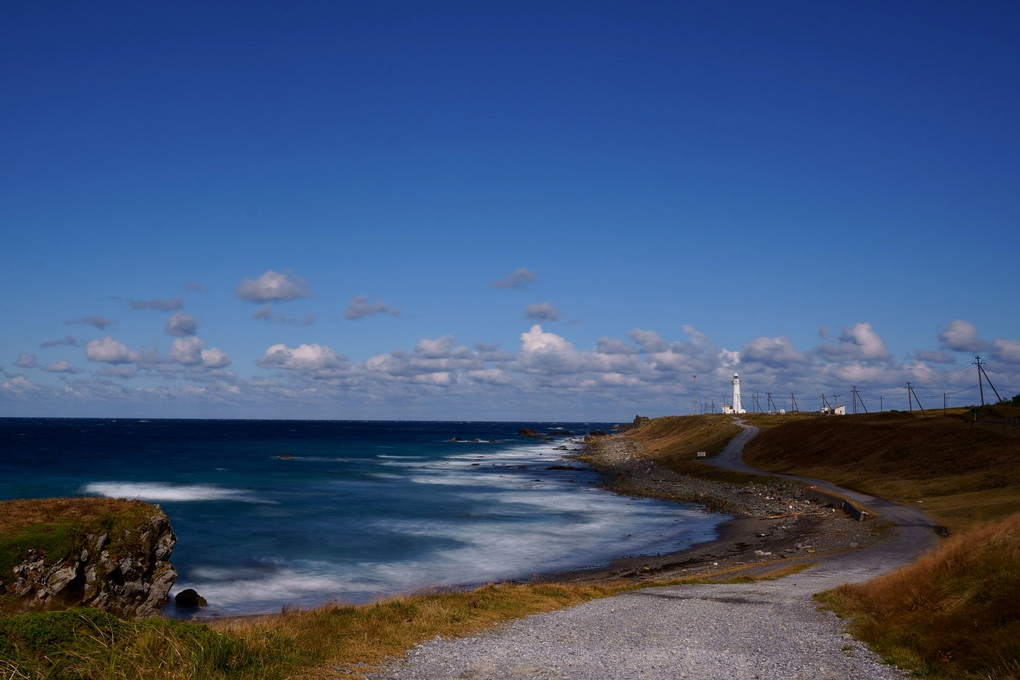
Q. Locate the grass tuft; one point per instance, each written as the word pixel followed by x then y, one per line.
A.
pixel 88 643
pixel 953 614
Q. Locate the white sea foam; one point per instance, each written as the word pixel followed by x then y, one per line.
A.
pixel 313 459
pixel 156 491
pixel 262 591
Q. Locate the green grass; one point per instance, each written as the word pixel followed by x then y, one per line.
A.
pixel 57 538
pixel 56 528
pixel 322 643
pixel 88 644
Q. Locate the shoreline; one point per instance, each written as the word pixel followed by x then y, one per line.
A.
pixel 772 525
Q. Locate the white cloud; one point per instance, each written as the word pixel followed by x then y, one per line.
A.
pixel 648 341
pixel 59 366
pixel 1006 350
pixel 360 307
pixel 548 353
pixel 776 352
pixel 191 351
pixel 519 280
pixel 434 361
pixel 434 349
pixel 26 361
pixel 214 358
pixel 859 342
pixel 186 351
pixel 301 358
pixel 19 385
pixel 543 311
pixel 614 346
pixel 961 336
pixel 181 325
pixel 109 351
pixel 537 341
pixel 489 376
pixel 272 286
pixel 934 356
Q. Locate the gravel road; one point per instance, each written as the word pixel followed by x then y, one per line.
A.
pixel 698 632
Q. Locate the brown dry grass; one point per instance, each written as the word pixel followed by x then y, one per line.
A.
pixel 359 638
pixel 962 472
pixel 19 513
pixel 674 442
pixel 952 614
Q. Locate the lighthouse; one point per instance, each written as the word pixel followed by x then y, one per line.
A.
pixel 737 408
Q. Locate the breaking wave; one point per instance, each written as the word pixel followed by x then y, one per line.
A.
pixel 155 491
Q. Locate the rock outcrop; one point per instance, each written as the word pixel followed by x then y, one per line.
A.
pixel 118 563
pixel 189 599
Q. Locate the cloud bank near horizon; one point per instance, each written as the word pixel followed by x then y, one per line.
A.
pixel 440 377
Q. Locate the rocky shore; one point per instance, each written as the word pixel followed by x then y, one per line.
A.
pixel 773 523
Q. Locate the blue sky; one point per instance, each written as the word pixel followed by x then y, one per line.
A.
pixel 461 210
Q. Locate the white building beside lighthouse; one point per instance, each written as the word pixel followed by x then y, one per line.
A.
pixel 735 406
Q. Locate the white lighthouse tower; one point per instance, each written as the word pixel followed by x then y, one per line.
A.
pixel 737 408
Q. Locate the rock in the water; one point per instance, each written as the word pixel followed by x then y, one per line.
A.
pixel 186 599
pixel 528 432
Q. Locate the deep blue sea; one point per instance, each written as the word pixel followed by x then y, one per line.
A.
pixel 280 513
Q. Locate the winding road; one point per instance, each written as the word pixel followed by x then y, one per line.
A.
pixel 770 629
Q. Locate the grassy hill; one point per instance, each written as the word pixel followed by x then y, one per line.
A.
pixel 961 471
pixel 952 615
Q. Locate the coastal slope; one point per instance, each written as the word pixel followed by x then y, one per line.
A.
pixel 735 630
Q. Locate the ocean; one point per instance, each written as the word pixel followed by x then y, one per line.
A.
pixel 275 514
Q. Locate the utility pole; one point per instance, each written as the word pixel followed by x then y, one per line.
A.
pixel 694 390
pixel 881 405
pixel 981 387
pixel 853 394
pixel 981 372
pixel 910 402
pixel 910 391
pixel 772 404
pixel 857 395
pixel 793 402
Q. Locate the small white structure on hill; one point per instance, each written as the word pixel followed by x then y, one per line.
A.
pixel 735 407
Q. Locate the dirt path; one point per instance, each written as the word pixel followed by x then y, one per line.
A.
pixel 916 532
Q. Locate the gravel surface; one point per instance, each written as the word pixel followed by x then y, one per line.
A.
pixel 768 629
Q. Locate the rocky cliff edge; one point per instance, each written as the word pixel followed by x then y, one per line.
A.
pixel 110 554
